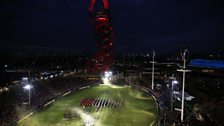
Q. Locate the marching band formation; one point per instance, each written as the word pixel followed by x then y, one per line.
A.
pixel 100 102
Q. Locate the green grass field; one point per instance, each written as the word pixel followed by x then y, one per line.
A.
pixel 138 109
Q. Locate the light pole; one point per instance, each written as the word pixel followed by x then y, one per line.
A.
pixel 28 87
pixel 153 67
pixel 183 83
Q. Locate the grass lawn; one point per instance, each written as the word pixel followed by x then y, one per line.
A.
pixel 138 109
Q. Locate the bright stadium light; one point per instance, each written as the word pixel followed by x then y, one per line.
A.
pixel 108 73
pixel 28 87
pixel 25 78
pixel 175 82
pixel 107 77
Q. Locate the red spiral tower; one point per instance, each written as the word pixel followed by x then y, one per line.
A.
pixel 101 21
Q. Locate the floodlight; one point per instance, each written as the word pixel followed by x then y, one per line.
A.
pixel 175 82
pixel 28 87
pixel 25 78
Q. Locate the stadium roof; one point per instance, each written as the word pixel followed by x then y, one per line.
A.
pixel 216 64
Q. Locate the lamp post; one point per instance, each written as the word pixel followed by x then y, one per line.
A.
pixel 183 83
pixel 28 87
pixel 153 67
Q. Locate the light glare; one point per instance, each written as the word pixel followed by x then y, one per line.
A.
pixel 27 87
pixel 175 82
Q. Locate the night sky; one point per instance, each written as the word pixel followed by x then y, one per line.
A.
pixel 140 25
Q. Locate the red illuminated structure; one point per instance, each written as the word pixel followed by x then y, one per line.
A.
pixel 101 21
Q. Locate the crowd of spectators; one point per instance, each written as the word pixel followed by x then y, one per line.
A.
pixel 208 114
pixel 14 105
pixel 165 116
